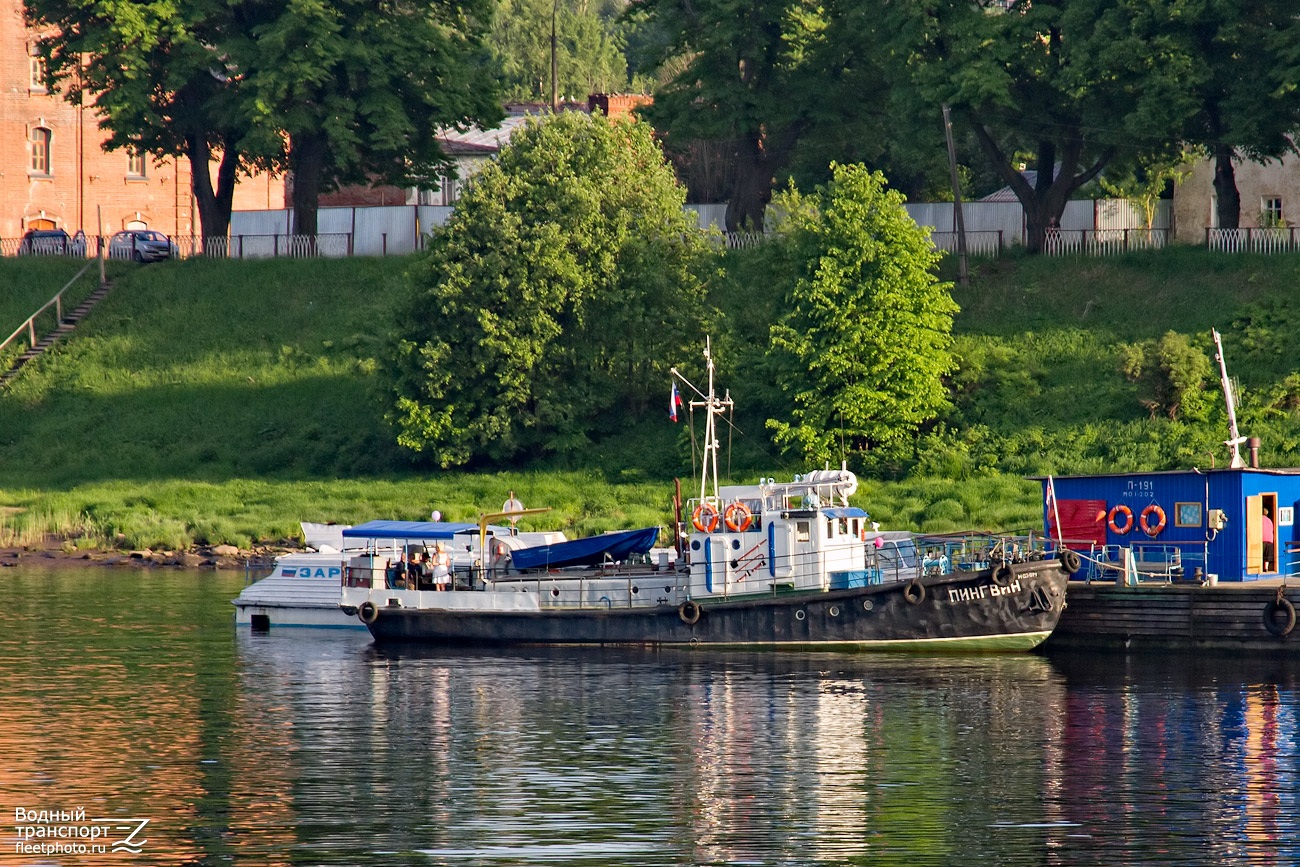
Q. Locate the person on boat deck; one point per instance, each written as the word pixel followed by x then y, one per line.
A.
pixel 418 571
pixel 395 574
pixel 441 567
pixel 1266 525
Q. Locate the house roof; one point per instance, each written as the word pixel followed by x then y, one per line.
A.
pixel 476 141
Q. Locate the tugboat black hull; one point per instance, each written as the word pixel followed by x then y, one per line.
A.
pixel 958 611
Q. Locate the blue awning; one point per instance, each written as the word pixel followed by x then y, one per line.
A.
pixel 411 530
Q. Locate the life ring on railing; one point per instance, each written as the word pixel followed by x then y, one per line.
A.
pixel 1282 625
pixel 689 611
pixel 1144 521
pixel 738 517
pixel 1128 520
pixel 368 612
pixel 914 592
pixel 705 517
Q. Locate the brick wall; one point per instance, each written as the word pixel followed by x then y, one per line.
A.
pixel 81 181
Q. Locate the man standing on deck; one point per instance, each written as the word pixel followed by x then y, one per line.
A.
pixel 1266 525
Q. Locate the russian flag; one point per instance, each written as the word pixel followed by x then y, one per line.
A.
pixel 674 402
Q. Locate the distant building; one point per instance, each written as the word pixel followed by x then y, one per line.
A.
pixel 473 148
pixel 54 172
pixel 1270 197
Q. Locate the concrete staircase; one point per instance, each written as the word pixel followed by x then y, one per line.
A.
pixel 65 327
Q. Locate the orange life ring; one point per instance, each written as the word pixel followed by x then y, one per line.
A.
pixel 738 517
pixel 1150 529
pixel 705 517
pixel 1128 520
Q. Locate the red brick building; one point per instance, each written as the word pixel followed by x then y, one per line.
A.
pixel 54 172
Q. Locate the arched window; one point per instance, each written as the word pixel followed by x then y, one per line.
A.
pixel 40 147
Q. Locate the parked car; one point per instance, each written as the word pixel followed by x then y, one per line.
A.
pixel 45 242
pixel 142 245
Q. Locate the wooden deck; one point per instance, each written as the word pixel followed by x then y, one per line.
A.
pixel 1162 616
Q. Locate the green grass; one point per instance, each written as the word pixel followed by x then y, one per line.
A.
pixel 226 401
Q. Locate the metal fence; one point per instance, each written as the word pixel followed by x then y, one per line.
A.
pixel 332 245
pixel 1102 242
pixel 1281 239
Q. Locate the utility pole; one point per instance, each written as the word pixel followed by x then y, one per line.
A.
pixel 555 85
pixel 963 272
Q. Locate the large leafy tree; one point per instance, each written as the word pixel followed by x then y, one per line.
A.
pixel 1072 83
pixel 756 78
pixel 161 85
pixel 866 342
pixel 1247 93
pixel 588 48
pixel 359 89
pixel 551 304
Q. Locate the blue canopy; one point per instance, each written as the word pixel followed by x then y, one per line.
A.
pixel 419 531
pixel 591 551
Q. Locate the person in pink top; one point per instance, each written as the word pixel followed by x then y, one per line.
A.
pixel 1270 539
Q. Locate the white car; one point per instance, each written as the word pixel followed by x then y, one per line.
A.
pixel 142 245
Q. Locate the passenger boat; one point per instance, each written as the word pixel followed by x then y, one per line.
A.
pixel 301 589
pixel 773 564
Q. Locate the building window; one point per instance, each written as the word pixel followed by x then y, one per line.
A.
pixel 1270 208
pixel 36 69
pixel 134 163
pixel 40 147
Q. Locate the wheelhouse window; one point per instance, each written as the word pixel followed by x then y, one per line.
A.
pixel 40 150
pixel 135 163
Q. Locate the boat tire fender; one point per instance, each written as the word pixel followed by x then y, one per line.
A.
pixel 1279 617
pixel 1002 575
pixel 914 592
pixel 1070 561
pixel 368 612
pixel 689 611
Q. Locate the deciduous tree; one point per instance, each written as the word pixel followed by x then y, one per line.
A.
pixel 1070 81
pixel 553 302
pixel 866 343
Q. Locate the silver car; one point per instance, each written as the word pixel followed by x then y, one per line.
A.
pixel 142 245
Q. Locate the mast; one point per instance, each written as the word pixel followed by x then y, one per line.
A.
pixel 1236 439
pixel 713 407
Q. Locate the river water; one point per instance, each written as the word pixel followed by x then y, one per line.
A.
pixel 129 696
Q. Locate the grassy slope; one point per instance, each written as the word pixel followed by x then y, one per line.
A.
pixel 225 401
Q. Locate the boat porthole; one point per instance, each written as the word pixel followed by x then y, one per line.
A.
pixel 668 588
pixel 694 642
pixel 695 544
pixel 799 615
pixel 555 591
pixel 635 590
pixel 735 543
pixel 867 605
pixel 835 611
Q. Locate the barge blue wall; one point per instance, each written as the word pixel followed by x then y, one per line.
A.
pixel 1223 552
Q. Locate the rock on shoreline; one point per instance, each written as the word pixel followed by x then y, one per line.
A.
pixel 59 552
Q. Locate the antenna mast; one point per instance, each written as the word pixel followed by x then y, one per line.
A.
pixel 713 406
pixel 1236 439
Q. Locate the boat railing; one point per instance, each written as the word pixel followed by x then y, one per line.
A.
pixel 1162 562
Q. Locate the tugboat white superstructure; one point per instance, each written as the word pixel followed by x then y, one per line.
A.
pixel 774 564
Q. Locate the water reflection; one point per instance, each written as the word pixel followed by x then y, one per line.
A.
pixel 132 694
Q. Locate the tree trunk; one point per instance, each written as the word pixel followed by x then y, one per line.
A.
pixel 214 205
pixel 1225 188
pixel 307 162
pixel 752 189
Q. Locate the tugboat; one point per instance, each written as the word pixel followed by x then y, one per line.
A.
pixel 769 565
